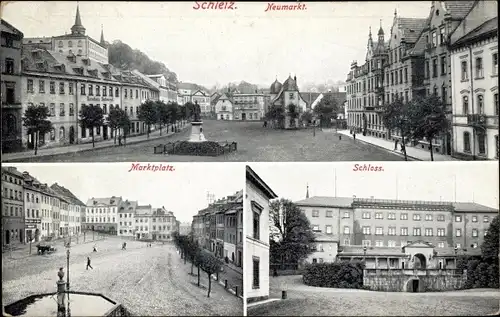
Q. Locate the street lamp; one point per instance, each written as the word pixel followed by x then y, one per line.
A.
pixel 67 265
pixel 456 251
pixel 364 253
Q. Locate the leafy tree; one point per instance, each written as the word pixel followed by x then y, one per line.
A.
pixel 162 114
pixel 147 113
pixel 326 109
pixel 395 118
pixel 113 119
pixel 296 237
pixel 489 247
pixel 211 265
pixel 292 113
pixel 306 117
pixel 189 110
pixel 91 116
pixel 276 114
pixel 173 113
pixel 125 124
pixel 35 120
pixel 427 118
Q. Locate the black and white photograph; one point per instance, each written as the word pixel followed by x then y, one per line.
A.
pixel 122 240
pixel 350 239
pixel 258 81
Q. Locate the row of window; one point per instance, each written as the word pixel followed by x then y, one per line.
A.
pixel 70 43
pixel 478 67
pixel 62 109
pixel 12 194
pixel 479 109
pixel 481 144
pixel 402 216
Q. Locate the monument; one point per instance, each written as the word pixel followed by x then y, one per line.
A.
pixel 197 125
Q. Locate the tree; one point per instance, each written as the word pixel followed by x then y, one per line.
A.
pixel 296 237
pixel 173 113
pixel 276 114
pixel 35 120
pixel 113 120
pixel 91 116
pixel 147 113
pixel 189 110
pixel 306 117
pixel 292 113
pixel 489 247
pixel 326 109
pixel 395 118
pixel 427 118
pixel 211 264
pixel 162 114
pixel 125 124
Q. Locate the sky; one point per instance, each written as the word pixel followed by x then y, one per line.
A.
pixel 211 47
pixel 475 181
pixel 182 191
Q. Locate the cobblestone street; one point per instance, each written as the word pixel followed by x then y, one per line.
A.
pixel 147 281
pixel 317 301
pixel 255 144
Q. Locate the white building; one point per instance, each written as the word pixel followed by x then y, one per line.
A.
pixel 126 218
pixel 256 257
pixel 224 108
pixel 101 214
pixel 474 72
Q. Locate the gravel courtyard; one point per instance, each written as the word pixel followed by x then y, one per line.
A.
pixel 148 281
pixel 255 144
pixel 316 301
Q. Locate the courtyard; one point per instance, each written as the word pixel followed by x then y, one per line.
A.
pixel 303 300
pixel 255 144
pixel 148 281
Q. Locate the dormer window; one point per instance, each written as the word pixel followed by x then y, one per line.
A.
pixel 70 44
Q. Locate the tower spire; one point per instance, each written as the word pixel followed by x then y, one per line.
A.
pixel 307 191
pixel 77 28
pixel 102 36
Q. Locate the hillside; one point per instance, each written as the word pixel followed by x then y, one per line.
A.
pixel 123 56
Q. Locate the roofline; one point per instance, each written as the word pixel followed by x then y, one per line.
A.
pixel 256 180
pixel 486 35
pixel 13 27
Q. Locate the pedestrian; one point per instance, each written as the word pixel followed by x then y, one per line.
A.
pixel 396 144
pixel 119 140
pixel 340 137
pixel 95 248
pixel 354 135
pixel 402 148
pixel 88 263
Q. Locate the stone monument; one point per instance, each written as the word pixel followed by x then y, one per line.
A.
pixel 197 125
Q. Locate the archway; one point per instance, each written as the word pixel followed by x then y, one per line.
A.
pixel 62 134
pixel 420 261
pixel 414 285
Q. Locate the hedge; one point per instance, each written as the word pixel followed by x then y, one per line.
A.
pixel 336 274
pixel 480 273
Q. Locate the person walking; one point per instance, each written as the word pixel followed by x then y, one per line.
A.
pixel 396 144
pixel 95 248
pixel 354 135
pixel 119 140
pixel 88 263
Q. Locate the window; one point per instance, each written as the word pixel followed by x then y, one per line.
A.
pixel 256 272
pixel 442 36
pixel 458 218
pixel 61 44
pixel 61 88
pixel 366 230
pixel 434 39
pixel 315 228
pixel 52 109
pixel 30 85
pixel 347 230
pixel 466 142
pixel 41 86
pixel 97 90
pixel 480 104
pixel 428 232
pixel 291 95
pixel 486 219
pixel 117 93
pixel 82 89
pixel 440 245
pixel 495 103
pixel 315 213
pixel 346 214
pixel 434 67
pixel 379 243
pixel 427 69
pixel 126 93
pixel 91 90
pixel 416 217
pixel 406 74
pixel 9 66
pixel 481 140
pixel 62 110
pixel 52 87
pixel 495 63
pixel 417 232
pixel 111 91
pixel 474 233
pixel 366 243
pixel 474 218
pixel 391 244
pixel 479 67
pixel 391 216
pixel 379 231
pixel 458 232
pixel 465 105
pixel 443 65
pixel 104 108
pixel 391 231
pixel 464 71
pixel 366 215
pixel 256 224
pixel 404 216
pixel 404 231
pixel 428 217
pixel 378 215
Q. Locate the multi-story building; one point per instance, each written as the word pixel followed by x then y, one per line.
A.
pixel 126 218
pixel 474 83
pixel 231 227
pixel 75 211
pixel 11 87
pixel 287 94
pixel 371 224
pixel 185 228
pixel 102 214
pixel 256 222
pixel 163 224
pixel 75 43
pixel 167 90
pixel 142 221
pixel 248 106
pixel 224 107
pixel 188 92
pixel 239 234
pixel 12 206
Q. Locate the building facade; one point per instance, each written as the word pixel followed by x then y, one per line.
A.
pixel 126 218
pixel 102 214
pixel 383 225
pixel 474 78
pixel 11 87
pixel 224 108
pixel 12 207
pixel 256 222
pixel 287 95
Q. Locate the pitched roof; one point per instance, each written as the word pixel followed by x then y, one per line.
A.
pixel 11 170
pixel 458 9
pixel 411 27
pixel 468 207
pixel 12 28
pixel 67 193
pixel 128 206
pixel 107 201
pixel 489 27
pixel 310 97
pixel 325 201
pixel 187 86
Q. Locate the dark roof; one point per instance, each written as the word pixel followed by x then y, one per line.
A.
pixel 458 9
pixel 12 170
pixel 326 201
pixel 290 84
pixel 488 28
pixel 112 201
pixel 67 193
pixel 187 86
pixel 411 28
pixel 275 87
pixel 257 181
pixel 12 28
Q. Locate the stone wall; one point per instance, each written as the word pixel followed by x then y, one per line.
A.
pixel 399 280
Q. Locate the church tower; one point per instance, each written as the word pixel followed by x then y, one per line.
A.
pixel 102 41
pixel 77 28
pixel 381 35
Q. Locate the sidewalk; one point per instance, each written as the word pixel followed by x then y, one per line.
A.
pixel 413 153
pixel 6 157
